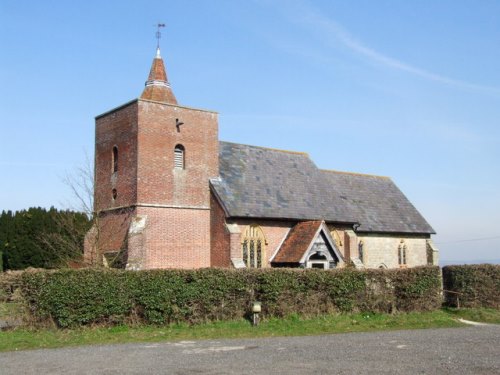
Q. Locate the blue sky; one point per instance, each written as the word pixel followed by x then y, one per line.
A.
pixel 406 89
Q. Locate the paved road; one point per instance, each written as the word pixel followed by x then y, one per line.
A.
pixel 472 350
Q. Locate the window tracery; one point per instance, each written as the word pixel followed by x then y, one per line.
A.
pixel 253 247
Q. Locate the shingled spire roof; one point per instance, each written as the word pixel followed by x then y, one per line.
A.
pixel 157 86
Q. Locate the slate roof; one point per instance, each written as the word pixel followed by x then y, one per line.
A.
pixel 265 183
pixel 378 203
pixel 297 242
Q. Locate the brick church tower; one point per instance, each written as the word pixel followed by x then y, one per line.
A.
pixel 153 162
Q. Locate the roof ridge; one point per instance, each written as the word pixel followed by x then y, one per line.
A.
pixel 270 148
pixel 354 173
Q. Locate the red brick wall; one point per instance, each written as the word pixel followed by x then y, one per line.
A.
pixel 158 182
pixel 108 234
pixel 116 128
pixel 176 238
pixel 219 239
pixel 177 231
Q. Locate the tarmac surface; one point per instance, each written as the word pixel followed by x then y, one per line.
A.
pixel 470 350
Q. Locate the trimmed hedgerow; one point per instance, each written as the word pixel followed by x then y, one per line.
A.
pixel 192 296
pixel 411 289
pixel 10 282
pixel 71 298
pixel 476 285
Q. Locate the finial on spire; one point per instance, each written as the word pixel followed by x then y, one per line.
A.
pixel 157 86
pixel 158 35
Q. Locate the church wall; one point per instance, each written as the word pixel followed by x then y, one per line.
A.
pixel 220 242
pixel 136 243
pixel 109 233
pixel 176 202
pixel 116 128
pixel 383 250
pixel 274 231
pixel 158 182
pixel 344 239
pixel 176 237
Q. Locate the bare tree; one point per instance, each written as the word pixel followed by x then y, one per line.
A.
pixel 81 183
pixel 67 243
pixel 102 242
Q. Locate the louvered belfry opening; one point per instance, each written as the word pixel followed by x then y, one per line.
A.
pixel 179 157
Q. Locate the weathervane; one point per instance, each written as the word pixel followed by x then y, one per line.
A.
pixel 158 34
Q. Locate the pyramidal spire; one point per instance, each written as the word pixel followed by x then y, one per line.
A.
pixel 157 86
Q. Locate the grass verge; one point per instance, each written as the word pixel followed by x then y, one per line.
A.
pixel 482 315
pixel 22 339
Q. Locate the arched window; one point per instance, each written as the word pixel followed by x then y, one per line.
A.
pixel 114 159
pixel 253 247
pixel 336 237
pixel 361 250
pixel 402 253
pixel 114 194
pixel 179 157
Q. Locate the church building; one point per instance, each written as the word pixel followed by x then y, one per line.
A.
pixel 169 194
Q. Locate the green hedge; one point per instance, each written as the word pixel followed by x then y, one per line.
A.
pixel 10 283
pixel 472 285
pixel 71 298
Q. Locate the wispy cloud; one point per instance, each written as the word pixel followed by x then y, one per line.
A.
pixel 314 20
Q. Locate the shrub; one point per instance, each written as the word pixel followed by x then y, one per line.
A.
pixel 474 285
pixel 78 297
pixel 71 298
pixel 10 282
pixel 417 289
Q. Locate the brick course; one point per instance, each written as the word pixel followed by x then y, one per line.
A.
pixel 220 241
pixel 157 180
pixel 176 237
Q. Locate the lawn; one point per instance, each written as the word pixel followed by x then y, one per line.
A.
pixel 23 338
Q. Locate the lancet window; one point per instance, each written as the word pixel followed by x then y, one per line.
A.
pixel 253 247
pixel 402 252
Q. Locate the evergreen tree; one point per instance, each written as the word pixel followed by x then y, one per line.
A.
pixel 40 238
